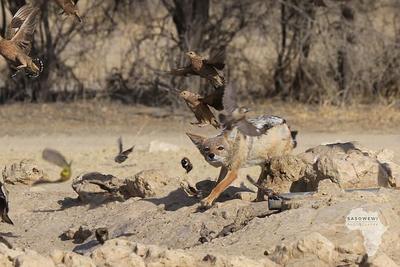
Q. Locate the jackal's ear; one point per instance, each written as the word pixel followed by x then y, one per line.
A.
pixel 198 140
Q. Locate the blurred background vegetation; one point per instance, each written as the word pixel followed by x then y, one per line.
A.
pixel 309 51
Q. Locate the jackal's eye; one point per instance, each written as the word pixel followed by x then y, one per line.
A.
pixel 206 149
pixel 220 148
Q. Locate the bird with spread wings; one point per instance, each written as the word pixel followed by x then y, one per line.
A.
pixel 209 69
pixel 122 154
pixel 56 158
pixel 235 116
pixel 17 44
pixel 70 8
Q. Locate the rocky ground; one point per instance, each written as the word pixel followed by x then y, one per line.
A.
pixel 166 228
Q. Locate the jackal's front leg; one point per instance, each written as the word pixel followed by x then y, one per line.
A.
pixel 219 188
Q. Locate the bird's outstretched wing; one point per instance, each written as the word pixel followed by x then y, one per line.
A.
pixel 55 157
pixel 229 99
pixel 216 60
pixel 248 128
pixel 215 99
pixel 24 36
pixel 182 71
pixel 128 151
pixel 17 21
pixel 120 146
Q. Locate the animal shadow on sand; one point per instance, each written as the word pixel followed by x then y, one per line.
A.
pixel 69 202
pixel 179 198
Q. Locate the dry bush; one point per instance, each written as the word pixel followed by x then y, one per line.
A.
pixel 312 51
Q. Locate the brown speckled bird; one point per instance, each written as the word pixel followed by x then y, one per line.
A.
pixel 200 109
pixel 206 68
pixel 235 116
pixel 17 45
pixel 70 8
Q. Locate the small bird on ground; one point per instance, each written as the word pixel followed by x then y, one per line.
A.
pixel 101 235
pixel 18 42
pixel 4 205
pixel 200 109
pixel 235 116
pixel 206 68
pixel 122 155
pixel 186 164
pixel 70 8
pixel 55 157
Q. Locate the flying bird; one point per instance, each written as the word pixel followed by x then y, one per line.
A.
pixel 200 109
pixel 55 157
pixel 4 205
pixel 205 68
pixel 122 155
pixel 208 69
pixel 70 8
pixel 17 44
pixel 186 164
pixel 235 116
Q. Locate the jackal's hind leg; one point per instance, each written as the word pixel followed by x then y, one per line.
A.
pixel 262 182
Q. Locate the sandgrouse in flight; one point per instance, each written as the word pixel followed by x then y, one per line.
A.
pixel 18 40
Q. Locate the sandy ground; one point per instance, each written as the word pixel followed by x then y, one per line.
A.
pixel 87 134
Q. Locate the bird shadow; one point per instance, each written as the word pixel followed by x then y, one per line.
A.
pixel 69 202
pixel 85 247
pixel 9 234
pixel 178 198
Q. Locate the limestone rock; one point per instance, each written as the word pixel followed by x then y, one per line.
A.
pixel 381 260
pixel 315 246
pixel 149 183
pixel 32 259
pixel 345 164
pixel 71 259
pixel 348 166
pixel 117 252
pixel 24 172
